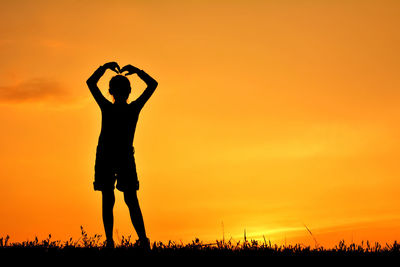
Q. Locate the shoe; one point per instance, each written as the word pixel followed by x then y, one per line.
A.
pixel 109 244
pixel 144 244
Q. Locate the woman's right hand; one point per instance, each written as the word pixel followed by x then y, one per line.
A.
pixel 112 66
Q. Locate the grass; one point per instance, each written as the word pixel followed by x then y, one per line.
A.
pixel 92 246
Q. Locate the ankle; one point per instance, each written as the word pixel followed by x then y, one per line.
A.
pixel 144 239
pixel 109 243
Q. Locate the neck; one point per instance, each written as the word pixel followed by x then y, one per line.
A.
pixel 120 102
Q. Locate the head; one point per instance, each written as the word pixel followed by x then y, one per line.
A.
pixel 120 88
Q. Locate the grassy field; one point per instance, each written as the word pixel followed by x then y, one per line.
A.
pixel 91 247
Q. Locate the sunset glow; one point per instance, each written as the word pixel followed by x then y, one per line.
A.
pixel 269 117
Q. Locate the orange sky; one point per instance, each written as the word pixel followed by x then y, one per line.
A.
pixel 269 115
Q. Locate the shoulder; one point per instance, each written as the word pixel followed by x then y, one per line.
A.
pixel 105 105
pixel 134 106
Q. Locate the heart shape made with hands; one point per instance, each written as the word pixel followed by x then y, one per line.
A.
pixel 126 68
pixel 129 68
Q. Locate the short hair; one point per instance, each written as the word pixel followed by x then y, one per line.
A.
pixel 120 87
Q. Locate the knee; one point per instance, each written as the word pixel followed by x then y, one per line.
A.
pixel 108 199
pixel 131 199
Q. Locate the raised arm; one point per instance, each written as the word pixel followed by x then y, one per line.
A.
pixel 151 84
pixel 93 80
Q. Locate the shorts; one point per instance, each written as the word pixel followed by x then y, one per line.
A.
pixel 114 166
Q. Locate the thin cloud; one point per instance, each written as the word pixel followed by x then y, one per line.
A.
pixel 34 90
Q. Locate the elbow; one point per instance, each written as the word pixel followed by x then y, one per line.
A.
pixel 89 82
pixel 154 84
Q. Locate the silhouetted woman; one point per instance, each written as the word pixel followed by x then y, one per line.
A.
pixel 115 153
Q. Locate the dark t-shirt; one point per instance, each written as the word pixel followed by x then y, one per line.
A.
pixel 118 127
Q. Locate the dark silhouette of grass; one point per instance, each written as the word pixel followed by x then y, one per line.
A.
pixel 92 247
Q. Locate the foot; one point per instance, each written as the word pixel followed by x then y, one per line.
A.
pixel 144 243
pixel 109 243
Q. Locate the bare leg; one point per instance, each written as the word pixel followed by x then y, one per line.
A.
pixel 108 217
pixel 132 202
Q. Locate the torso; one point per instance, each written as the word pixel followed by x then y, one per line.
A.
pixel 118 127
